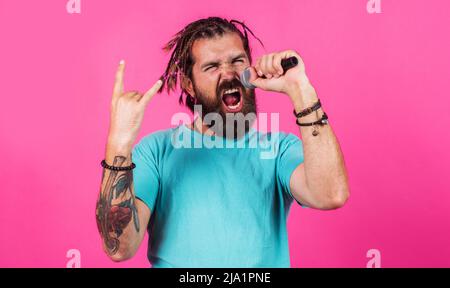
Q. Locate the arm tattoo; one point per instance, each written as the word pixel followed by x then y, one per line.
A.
pixel 116 206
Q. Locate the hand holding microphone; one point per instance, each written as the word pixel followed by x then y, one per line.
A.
pixel 282 72
pixel 286 64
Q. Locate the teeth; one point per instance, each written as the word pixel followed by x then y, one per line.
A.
pixel 229 91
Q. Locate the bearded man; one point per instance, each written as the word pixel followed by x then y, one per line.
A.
pixel 220 206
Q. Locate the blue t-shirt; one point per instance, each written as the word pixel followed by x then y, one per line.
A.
pixel 216 202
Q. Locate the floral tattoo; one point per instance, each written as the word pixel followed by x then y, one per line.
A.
pixel 116 206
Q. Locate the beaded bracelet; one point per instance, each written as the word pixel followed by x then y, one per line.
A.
pixel 116 168
pixel 308 110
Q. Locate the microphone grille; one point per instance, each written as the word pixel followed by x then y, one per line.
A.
pixel 245 77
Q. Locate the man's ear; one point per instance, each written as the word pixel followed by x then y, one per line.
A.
pixel 187 85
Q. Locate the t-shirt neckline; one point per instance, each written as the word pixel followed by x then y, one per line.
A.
pixel 196 133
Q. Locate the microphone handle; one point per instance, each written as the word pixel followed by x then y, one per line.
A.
pixel 289 63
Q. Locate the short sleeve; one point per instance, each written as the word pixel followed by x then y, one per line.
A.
pixel 289 157
pixel 145 174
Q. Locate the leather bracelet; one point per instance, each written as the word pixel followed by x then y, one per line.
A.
pixel 308 110
pixel 116 168
pixel 322 121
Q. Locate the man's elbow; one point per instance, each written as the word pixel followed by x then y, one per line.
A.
pixel 121 255
pixel 336 200
pixel 340 199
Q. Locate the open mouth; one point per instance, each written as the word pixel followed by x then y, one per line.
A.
pixel 232 100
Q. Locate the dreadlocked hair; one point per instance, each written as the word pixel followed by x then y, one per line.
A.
pixel 181 60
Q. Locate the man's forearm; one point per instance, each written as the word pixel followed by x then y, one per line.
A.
pixel 116 207
pixel 323 160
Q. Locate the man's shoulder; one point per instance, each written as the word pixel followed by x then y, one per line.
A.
pixel 160 134
pixel 279 136
pixel 156 138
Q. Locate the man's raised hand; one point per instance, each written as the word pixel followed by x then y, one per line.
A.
pixel 127 112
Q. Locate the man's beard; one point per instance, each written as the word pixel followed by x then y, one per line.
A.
pixel 239 122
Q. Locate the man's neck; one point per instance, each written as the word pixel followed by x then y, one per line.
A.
pixel 199 126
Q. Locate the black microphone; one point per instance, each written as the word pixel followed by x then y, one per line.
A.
pixel 285 63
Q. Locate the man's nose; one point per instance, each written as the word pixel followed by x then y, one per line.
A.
pixel 229 72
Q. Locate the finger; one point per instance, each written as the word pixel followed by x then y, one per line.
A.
pixel 118 83
pixel 256 80
pixel 267 66
pixel 270 66
pixel 277 64
pixel 151 92
pixel 262 66
pixel 258 67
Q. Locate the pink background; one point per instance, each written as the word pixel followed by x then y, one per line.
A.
pixel 383 79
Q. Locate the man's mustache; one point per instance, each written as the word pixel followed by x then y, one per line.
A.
pixel 229 84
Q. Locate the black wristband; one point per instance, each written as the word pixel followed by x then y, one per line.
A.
pixel 308 110
pixel 321 121
pixel 115 168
